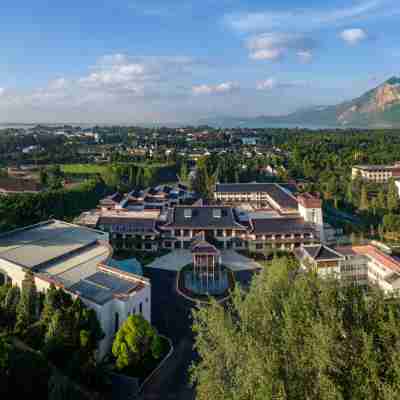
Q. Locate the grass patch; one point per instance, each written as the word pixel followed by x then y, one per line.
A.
pixel 83 169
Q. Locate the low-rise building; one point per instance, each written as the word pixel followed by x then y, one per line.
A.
pixel 76 259
pixel 376 173
pixel 357 265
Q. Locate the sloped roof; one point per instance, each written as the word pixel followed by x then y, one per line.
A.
pixel 280 226
pixel 202 217
pixel 203 247
pixel 321 253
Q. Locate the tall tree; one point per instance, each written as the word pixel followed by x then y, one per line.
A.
pixel 297 336
pixel 364 202
pixel 135 340
pixel 27 309
pixel 392 196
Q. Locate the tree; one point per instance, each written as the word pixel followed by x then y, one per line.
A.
pixel 381 200
pixel 392 196
pixel 184 173
pixel 44 177
pixel 364 203
pixel 27 309
pixel 135 340
pixel 297 336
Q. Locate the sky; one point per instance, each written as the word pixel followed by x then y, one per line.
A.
pixel 179 61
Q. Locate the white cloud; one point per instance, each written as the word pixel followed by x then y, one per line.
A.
pixel 353 36
pixel 305 55
pixel 272 46
pixel 225 87
pixel 59 83
pixel 273 83
pixel 309 19
pixel 267 84
pixel 2 91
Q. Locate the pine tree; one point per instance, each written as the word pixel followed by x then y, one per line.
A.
pixel 27 309
pixel 364 203
pixel 381 200
pixel 392 196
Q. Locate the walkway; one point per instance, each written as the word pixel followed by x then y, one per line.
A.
pixel 177 259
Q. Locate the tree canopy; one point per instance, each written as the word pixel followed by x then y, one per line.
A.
pixel 296 336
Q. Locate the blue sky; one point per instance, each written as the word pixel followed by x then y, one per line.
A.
pixel 137 61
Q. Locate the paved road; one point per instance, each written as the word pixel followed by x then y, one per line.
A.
pixel 171 314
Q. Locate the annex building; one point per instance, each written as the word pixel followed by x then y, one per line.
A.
pixel 357 265
pixel 76 259
pixel 376 173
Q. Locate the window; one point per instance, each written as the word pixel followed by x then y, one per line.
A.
pixel 147 246
pixel 177 232
pixel 141 308
pixel 116 327
pixel 134 310
pixel 147 299
pixel 219 232
pixel 259 246
pixel 168 244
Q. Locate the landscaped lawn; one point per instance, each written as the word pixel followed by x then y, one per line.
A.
pixel 83 169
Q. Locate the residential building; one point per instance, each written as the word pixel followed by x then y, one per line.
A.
pixel 76 259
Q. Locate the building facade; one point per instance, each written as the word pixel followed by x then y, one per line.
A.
pixel 76 259
pixel 356 265
pixel 376 173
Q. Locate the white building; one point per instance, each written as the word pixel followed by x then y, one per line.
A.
pixel 357 265
pixel 75 258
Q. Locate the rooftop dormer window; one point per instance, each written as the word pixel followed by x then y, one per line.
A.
pixel 217 213
pixel 187 213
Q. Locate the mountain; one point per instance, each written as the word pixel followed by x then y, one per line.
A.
pixel 379 107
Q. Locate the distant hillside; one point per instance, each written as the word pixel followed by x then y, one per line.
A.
pixel 379 107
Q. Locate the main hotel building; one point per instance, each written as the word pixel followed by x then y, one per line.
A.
pixel 254 216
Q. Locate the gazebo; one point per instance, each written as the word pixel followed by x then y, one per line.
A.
pixel 206 265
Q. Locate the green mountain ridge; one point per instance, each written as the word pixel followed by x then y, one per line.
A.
pixel 379 107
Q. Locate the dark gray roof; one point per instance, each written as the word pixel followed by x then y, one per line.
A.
pixel 281 226
pixel 320 253
pixel 203 218
pixel 46 242
pixel 127 224
pixel 101 287
pixel 276 192
pixel 112 199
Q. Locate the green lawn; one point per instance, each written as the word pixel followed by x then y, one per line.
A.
pixel 80 169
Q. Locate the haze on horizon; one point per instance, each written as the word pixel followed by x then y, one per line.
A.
pixel 177 61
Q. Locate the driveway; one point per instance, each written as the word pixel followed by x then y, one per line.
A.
pixel 173 261
pixel 236 262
